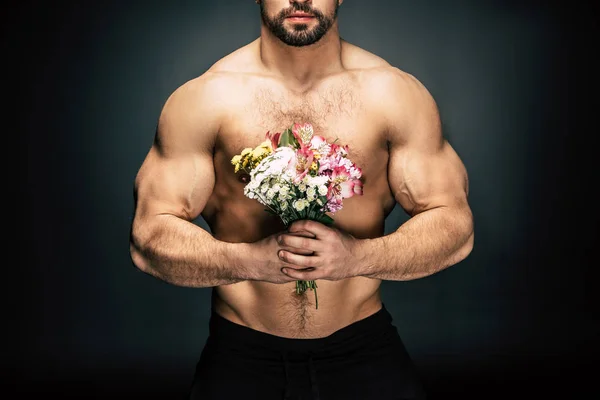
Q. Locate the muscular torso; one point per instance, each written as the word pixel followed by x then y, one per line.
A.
pixel 339 106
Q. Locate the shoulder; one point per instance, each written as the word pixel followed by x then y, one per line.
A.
pixel 398 88
pixel 193 113
pixel 213 87
pixel 356 58
pixel 196 103
pixel 381 80
pixel 196 109
pixel 400 100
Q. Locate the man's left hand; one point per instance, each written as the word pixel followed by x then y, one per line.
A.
pixel 335 254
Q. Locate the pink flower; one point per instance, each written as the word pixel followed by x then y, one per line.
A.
pixel 356 172
pixel 303 133
pixel 338 151
pixel 274 138
pixel 325 165
pixel 358 187
pixel 334 205
pixel 318 142
pixel 301 163
pixel 343 184
pixel 333 192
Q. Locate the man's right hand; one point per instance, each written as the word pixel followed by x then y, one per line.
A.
pixel 264 262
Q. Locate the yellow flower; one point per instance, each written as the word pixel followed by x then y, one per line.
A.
pixel 236 159
pixel 259 152
pixel 246 151
pixel 314 166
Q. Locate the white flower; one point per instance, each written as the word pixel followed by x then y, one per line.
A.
pixel 283 197
pixel 323 190
pixel 299 205
pixel 302 186
pixel 272 165
pixel 288 176
pixel 317 180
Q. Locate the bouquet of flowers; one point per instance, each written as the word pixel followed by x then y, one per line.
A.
pixel 299 175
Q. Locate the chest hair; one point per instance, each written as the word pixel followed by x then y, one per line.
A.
pixel 274 109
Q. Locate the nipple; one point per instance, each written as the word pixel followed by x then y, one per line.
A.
pixel 245 178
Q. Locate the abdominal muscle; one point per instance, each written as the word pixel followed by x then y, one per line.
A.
pixel 278 310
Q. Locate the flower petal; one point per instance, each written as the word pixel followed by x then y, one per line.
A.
pixel 347 189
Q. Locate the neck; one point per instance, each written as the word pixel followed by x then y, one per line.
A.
pixel 301 66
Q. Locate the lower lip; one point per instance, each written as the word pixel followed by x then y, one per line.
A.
pixel 300 19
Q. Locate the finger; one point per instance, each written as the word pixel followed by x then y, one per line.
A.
pixel 316 228
pixel 302 275
pixel 286 278
pixel 302 233
pixel 292 249
pixel 297 259
pixel 285 264
pixel 295 250
pixel 299 242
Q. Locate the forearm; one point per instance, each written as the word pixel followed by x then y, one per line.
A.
pixel 425 244
pixel 184 254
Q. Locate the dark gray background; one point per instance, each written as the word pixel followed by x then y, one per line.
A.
pixel 90 81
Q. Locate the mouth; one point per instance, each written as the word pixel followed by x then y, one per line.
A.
pixel 300 16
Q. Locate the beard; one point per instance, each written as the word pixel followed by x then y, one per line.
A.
pixel 301 34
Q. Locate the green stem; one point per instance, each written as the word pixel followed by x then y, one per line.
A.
pixel 302 286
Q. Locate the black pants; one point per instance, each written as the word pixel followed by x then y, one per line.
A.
pixel 365 360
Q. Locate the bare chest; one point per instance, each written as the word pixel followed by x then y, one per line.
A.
pixel 327 109
pixel 336 112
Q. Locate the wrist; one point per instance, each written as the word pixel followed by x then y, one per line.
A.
pixel 242 260
pixel 366 254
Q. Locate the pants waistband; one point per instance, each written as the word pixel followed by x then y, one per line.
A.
pixel 220 327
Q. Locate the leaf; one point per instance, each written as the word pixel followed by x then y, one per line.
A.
pixel 287 139
pixel 326 219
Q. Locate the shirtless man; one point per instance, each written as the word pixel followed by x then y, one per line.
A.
pixel 265 341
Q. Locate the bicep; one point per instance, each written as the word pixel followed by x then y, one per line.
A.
pixel 177 184
pixel 177 176
pixel 425 172
pixel 423 179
